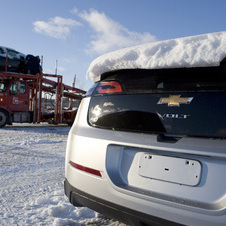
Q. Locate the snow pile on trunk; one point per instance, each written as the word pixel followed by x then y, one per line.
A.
pixel 195 51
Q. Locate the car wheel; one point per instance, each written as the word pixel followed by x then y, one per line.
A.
pixel 3 118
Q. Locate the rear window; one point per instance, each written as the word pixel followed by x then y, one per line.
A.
pixel 169 80
pixel 187 102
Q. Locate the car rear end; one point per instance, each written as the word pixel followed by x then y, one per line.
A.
pixel 149 147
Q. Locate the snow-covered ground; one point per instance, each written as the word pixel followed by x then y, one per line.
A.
pixel 31 179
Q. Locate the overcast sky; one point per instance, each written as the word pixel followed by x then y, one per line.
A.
pixel 75 32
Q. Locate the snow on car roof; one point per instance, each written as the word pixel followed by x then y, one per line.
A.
pixel 194 51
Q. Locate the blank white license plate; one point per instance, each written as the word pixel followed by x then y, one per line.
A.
pixel 170 169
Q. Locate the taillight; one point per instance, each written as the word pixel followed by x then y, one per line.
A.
pixel 85 169
pixel 108 87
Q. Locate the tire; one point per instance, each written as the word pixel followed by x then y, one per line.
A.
pixel 3 118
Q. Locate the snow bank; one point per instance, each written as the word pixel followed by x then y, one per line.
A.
pixel 195 51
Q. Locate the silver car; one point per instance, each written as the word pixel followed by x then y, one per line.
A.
pixel 148 147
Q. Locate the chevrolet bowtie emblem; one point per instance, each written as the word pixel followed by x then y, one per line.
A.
pixel 175 100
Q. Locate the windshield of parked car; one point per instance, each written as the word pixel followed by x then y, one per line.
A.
pixel 13 53
pixel 1 51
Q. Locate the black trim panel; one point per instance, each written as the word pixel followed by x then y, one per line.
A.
pixel 120 213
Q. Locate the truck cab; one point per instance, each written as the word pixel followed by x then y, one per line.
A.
pixel 14 102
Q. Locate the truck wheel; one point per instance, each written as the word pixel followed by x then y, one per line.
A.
pixel 3 118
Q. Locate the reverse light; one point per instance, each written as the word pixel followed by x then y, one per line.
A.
pixel 85 169
pixel 109 87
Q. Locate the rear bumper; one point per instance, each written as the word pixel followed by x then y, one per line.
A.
pixel 123 214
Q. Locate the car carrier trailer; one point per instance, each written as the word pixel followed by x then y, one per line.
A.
pixel 21 98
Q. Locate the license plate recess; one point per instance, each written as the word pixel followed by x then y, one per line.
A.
pixel 170 169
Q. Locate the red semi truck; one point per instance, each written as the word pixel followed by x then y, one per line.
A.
pixel 22 98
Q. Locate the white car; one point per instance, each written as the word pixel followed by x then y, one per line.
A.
pixel 148 146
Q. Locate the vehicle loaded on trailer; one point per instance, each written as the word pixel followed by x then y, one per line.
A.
pixel 148 146
pixel 22 98
pixel 14 61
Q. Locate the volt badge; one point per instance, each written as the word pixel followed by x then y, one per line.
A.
pixel 175 100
